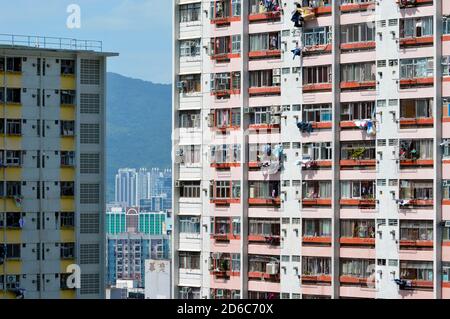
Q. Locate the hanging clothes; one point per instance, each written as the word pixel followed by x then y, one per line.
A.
pixel 296 52
pixel 305 127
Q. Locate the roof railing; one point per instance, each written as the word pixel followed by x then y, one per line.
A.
pixel 50 42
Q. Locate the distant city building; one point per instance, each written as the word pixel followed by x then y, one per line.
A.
pixel 158 279
pixel 133 237
pixel 126 181
pixel 132 185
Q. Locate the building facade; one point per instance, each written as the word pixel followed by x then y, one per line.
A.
pixel 311 149
pixel 132 238
pixel 52 154
pixel 132 186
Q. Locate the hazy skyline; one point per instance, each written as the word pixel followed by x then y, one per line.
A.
pixel 139 30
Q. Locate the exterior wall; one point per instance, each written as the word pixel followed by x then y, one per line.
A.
pixel 389 252
pixel 41 266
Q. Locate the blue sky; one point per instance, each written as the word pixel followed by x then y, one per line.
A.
pixel 140 30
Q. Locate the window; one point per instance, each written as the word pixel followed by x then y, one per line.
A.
pixel 357 111
pixel 190 48
pixel 255 6
pixel 264 190
pixel 68 97
pixel 265 41
pixel 446 24
pixel 316 189
pixel 13 189
pixel 416 27
pixel 358 72
pixel 416 68
pixel 67 67
pixel 225 9
pixel 89 193
pixel 67 220
pixel 225 189
pixel 263 78
pixel 189 119
pixel 317 36
pixel 358 228
pixel 67 250
pixel 12 64
pixel 190 12
pixel 316 266
pixel 12 158
pixel 89 163
pixel 416 270
pixel 225 153
pixel 11 220
pixel 13 96
pixel 357 150
pixel 13 251
pixel 257 263
pixel 191 154
pixel 260 115
pixel 190 189
pixel 416 149
pixel 361 32
pixel 317 151
pixel 225 81
pixel 417 108
pixel 189 260
pixel 446 65
pixel 189 224
pixel 189 293
pixel 67 128
pixel 13 127
pixel 191 83
pixel 317 74
pixel 317 113
pixel 316 227
pixel 410 189
pixel 90 133
pixel 357 268
pixel 67 188
pixel 416 230
pixel 227 118
pixel 67 158
pixel 358 189
pixel 264 227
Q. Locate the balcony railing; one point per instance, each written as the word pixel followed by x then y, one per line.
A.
pixel 50 42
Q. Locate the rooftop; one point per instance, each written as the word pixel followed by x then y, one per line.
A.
pixel 50 43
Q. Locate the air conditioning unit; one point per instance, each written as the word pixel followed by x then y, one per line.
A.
pixel 272 268
pixel 275 119
pixel 276 80
pixel 276 72
pixel 447 224
pixel 179 157
pixel 177 184
pixel 248 110
pixel 195 220
pixel 219 293
pixel 274 110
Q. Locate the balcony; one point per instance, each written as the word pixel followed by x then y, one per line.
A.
pixel 264 16
pixel 404 4
pixel 316 202
pixel 224 12
pixel 362 203
pixel 357 241
pixel 273 240
pixel 316 87
pixel 265 201
pixel 357 163
pixel 225 57
pixel 264 90
pixel 416 244
pixel 262 54
pixel 315 279
pixel 325 240
pixel 356 46
pixel 352 280
pixel 417 72
pixel 356 85
pixel 354 6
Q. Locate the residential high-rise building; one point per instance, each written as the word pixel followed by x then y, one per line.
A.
pixel 131 185
pixel 126 186
pixel 52 154
pixel 311 149
pixel 134 236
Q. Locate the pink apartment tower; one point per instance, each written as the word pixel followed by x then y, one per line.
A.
pixel 311 149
